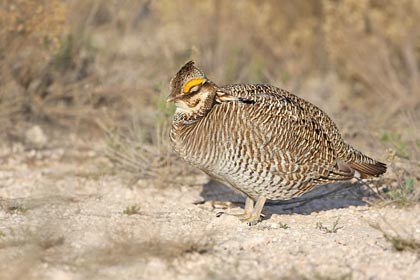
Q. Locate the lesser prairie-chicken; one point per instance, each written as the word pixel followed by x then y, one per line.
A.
pixel 260 140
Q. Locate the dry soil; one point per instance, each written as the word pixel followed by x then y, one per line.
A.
pixel 66 214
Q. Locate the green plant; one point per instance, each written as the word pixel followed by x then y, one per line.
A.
pixel 132 210
pixel 283 226
pixel 64 56
pixel 276 225
pixel 333 229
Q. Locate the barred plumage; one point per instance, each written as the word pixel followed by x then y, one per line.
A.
pixel 260 140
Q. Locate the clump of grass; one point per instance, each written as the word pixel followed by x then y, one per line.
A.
pixel 16 208
pixel 403 195
pixel 144 153
pixel 196 248
pixel 132 210
pixel 283 225
pixel 326 229
pixel 273 226
pixel 400 242
pixel 138 153
pixel 400 183
pixel 401 190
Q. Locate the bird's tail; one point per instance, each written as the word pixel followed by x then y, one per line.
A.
pixel 366 166
pixel 369 169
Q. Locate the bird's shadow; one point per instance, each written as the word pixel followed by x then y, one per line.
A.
pixel 321 198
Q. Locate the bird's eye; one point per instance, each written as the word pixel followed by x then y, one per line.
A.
pixel 195 88
pixel 193 85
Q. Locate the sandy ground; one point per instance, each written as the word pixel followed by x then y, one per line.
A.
pixel 62 217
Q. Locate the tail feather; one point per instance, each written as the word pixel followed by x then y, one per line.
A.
pixel 369 169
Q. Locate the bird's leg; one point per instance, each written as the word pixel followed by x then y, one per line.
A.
pixel 254 217
pixel 249 207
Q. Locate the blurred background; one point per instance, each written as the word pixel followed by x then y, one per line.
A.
pixel 83 69
pixel 91 189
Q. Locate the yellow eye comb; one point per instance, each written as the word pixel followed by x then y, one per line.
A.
pixel 191 83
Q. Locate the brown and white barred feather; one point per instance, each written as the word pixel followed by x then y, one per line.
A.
pixel 268 143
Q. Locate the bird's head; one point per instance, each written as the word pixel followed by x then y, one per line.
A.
pixel 191 91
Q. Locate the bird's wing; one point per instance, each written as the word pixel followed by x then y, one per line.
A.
pixel 293 132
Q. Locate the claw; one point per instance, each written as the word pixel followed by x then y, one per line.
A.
pixel 218 214
pixel 251 215
pixel 253 219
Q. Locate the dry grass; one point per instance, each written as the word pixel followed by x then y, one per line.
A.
pixel 132 210
pixel 142 155
pixel 333 229
pixel 136 153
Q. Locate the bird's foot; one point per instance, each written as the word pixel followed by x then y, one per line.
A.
pixel 252 219
pixel 251 215
pixel 241 215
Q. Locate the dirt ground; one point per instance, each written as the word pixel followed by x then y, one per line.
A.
pixel 65 215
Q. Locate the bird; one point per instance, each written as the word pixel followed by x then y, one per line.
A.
pixel 260 140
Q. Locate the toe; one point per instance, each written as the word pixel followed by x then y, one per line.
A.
pixel 251 220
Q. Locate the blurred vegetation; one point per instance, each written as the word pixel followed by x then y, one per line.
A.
pixel 81 65
pixel 124 48
pixel 398 237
